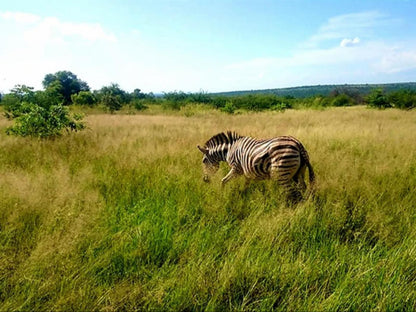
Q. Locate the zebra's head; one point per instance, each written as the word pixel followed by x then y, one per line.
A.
pixel 210 164
pixel 215 150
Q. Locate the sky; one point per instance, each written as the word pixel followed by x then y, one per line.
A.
pixel 208 45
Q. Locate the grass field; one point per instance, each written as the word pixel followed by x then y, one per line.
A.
pixel 117 217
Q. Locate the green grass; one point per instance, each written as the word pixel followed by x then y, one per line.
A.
pixel 117 217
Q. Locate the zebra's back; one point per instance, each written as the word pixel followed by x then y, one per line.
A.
pixel 260 159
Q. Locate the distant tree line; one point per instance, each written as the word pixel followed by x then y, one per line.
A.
pixel 45 113
pixel 65 88
pixel 325 90
pixel 338 97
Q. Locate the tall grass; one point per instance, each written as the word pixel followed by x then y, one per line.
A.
pixel 117 217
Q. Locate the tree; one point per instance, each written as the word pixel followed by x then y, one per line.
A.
pixel 137 94
pixel 69 84
pixel 12 102
pixel 23 93
pixel 115 90
pixel 113 97
pixel 112 102
pixel 377 99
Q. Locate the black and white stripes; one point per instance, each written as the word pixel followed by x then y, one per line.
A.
pixel 281 158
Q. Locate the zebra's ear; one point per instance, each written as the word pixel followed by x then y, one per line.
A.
pixel 203 150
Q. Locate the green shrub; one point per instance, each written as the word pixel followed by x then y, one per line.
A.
pixel 11 103
pixel 229 108
pixel 39 114
pixel 319 101
pixel 44 122
pixel 84 98
pixel 173 105
pixel 139 105
pixel 403 99
pixel 174 100
pixel 281 106
pixel 176 96
pixel 200 97
pixel 377 99
pixel 341 100
pixel 260 102
pixel 112 102
pixel 219 101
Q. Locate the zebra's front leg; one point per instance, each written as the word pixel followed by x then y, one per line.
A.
pixel 230 175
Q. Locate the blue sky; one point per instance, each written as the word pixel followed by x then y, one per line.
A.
pixel 209 45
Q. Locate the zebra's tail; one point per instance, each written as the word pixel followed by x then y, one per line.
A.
pixel 305 159
pixel 312 179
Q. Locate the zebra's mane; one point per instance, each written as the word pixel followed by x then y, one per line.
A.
pixel 221 138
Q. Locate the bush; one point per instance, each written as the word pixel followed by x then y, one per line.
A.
pixel 259 102
pixel 341 100
pixel 175 100
pixel 173 105
pixel 281 106
pixel 11 105
pixel 200 97
pixel 38 114
pixel 37 121
pixel 229 108
pixel 84 98
pixel 377 99
pixel 403 99
pixel 319 102
pixel 176 96
pixel 139 105
pixel 112 102
pixel 219 101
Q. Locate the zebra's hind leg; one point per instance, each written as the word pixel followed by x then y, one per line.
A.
pixel 287 181
pixel 299 178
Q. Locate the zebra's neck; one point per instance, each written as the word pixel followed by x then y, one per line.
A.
pixel 219 145
pixel 219 152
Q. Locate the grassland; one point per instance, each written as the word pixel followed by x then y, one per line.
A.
pixel 117 217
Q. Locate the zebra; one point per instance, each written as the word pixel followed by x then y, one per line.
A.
pixel 281 158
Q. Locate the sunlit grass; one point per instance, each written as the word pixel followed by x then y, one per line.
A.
pixel 117 217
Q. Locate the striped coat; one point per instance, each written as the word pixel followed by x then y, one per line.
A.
pixel 282 158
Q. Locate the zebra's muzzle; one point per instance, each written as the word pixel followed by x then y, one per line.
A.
pixel 206 178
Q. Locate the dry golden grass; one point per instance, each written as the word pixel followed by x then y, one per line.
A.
pixel 116 217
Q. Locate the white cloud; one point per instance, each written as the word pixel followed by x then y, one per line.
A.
pixel 335 54
pixel 35 46
pixel 20 17
pixel 396 61
pixel 46 29
pixel 361 24
pixel 369 62
pixel 347 42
